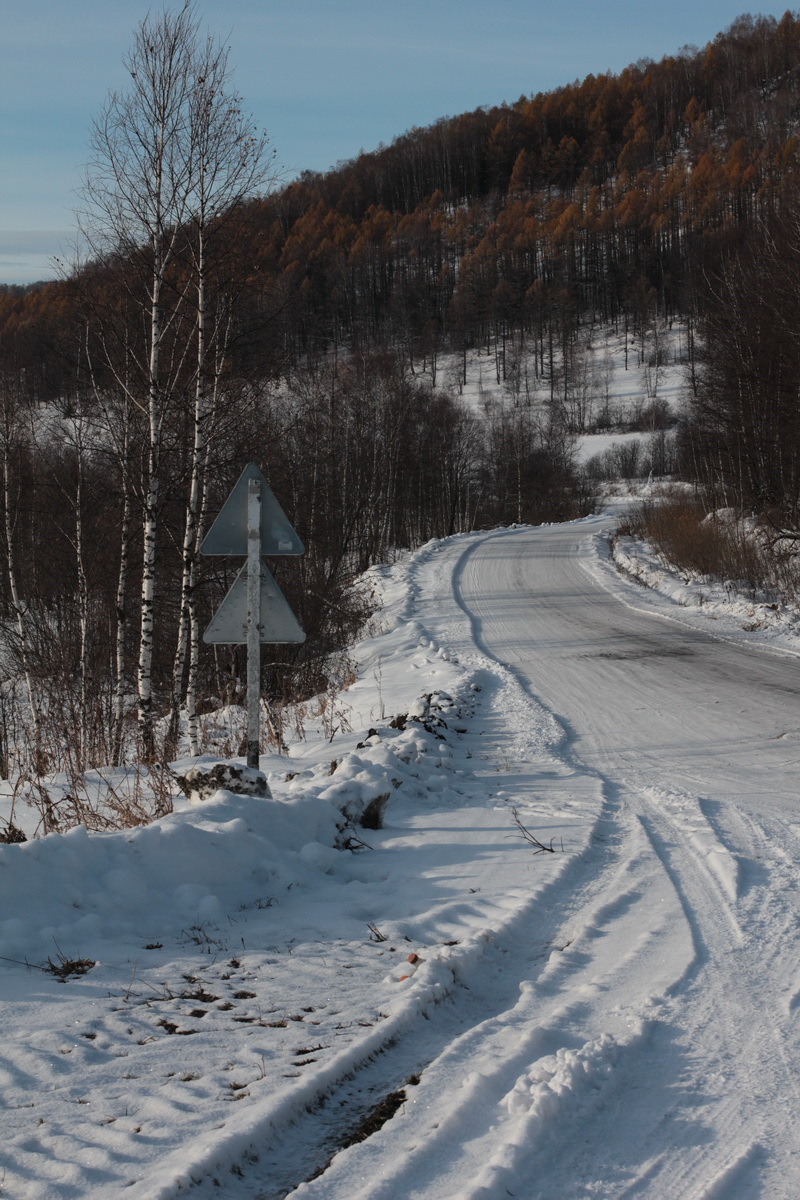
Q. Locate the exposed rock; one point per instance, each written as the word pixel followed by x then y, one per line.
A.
pixel 200 783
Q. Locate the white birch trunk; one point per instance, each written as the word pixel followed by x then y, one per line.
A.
pixel 83 611
pixel 149 531
pixel 120 687
pixel 191 540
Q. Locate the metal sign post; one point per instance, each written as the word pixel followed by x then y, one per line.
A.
pixel 252 522
pixel 253 622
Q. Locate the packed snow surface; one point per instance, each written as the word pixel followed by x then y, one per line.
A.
pixel 565 967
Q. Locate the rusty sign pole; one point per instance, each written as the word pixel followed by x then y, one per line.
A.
pixel 253 622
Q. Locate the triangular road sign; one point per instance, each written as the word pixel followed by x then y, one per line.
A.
pixel 228 534
pixel 277 622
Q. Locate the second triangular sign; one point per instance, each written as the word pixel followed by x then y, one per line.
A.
pixel 277 622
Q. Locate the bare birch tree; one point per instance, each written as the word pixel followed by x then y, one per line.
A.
pixel 137 193
pixel 170 156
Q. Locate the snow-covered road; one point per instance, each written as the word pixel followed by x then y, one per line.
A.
pixel 618 1018
pixel 679 973
pixel 697 741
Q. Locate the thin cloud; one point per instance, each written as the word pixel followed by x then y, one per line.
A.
pixel 31 241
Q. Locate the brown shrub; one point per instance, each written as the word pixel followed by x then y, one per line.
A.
pixel 686 535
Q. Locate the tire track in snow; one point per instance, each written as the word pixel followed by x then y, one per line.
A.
pixel 543 1063
pixel 740 1055
pixel 689 836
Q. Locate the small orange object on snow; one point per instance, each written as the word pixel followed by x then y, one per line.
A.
pixel 414 959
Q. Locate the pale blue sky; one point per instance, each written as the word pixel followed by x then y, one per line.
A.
pixel 324 79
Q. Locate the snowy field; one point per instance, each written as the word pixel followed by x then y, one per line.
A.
pixel 445 1010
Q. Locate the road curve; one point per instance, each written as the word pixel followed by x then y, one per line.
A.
pixel 645 700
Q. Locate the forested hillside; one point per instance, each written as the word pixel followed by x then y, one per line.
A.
pixel 323 328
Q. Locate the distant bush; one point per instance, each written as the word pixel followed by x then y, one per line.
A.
pixel 651 417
